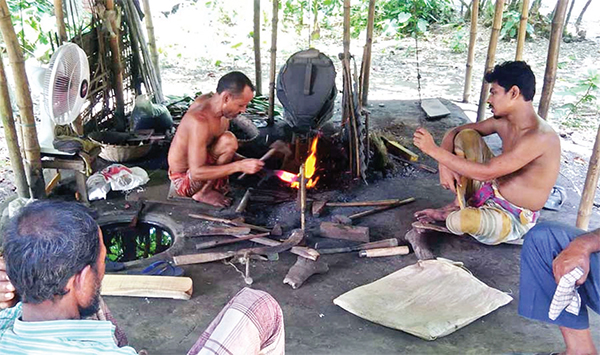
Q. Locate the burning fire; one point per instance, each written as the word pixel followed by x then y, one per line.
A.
pixel 310 167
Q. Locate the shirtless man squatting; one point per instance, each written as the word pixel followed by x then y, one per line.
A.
pixel 498 197
pixel 202 154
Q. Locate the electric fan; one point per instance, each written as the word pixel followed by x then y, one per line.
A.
pixel 66 84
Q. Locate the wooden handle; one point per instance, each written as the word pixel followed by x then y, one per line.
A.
pixel 373 253
pixel 263 158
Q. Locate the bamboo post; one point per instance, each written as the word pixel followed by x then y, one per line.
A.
pixel 522 30
pixel 580 17
pixel 271 119
pixel 60 21
pixel 366 69
pixel 471 55
pixel 10 134
pixel 568 16
pixel 589 189
pixel 117 68
pixel 256 35
pixel 30 142
pixel 491 54
pixel 346 30
pixel 152 39
pixel 551 62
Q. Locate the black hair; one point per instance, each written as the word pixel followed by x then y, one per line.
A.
pixel 234 82
pixel 46 244
pixel 514 73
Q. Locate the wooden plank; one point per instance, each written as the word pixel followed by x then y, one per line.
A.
pixel 147 286
pixel 342 231
pixel 434 108
pixel 201 258
pixel 400 150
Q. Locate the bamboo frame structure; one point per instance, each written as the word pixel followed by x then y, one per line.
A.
pixel 471 54
pixel 589 189
pixel 117 68
pixel 152 40
pixel 60 21
pixel 365 70
pixel 271 117
pixel 256 35
pixel 30 140
pixel 552 60
pixel 10 134
pixel 491 54
pixel 522 30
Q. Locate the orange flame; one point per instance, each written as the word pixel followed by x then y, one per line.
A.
pixel 310 167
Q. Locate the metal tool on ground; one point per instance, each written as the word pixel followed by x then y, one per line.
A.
pixel 427 168
pixel 305 252
pixel 380 209
pixel 244 201
pixel 247 279
pixel 342 231
pixel 378 252
pixel 302 270
pixel 431 227
pixel 263 158
pixel 391 242
pixel 319 206
pixel 418 241
pixel 238 238
pixel 238 222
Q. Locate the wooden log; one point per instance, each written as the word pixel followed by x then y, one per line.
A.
pixel 271 116
pixel 589 189
pixel 238 238
pixel 243 202
pixel 60 21
pixel 151 286
pixel 491 55
pixel 256 35
pixel 552 60
pixel 522 30
pixel 10 133
pixel 341 231
pixel 302 270
pixel 346 33
pixel 381 209
pixel 374 253
pixel 400 150
pixel 152 39
pixel 392 242
pixel 366 67
pixel 471 53
pixel 33 163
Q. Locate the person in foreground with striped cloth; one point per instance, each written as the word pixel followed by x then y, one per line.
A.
pixel 560 278
pixel 54 260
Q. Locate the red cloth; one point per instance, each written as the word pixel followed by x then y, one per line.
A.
pixel 187 187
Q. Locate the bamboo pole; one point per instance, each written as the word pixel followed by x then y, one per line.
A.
pixel 366 69
pixel 471 55
pixel 256 35
pixel 580 17
pixel 30 141
pixel 551 62
pixel 117 68
pixel 522 30
pixel 589 189
pixel 152 39
pixel 491 54
pixel 271 119
pixel 346 40
pixel 568 16
pixel 60 21
pixel 10 134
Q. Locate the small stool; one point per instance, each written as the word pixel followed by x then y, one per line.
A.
pixel 75 162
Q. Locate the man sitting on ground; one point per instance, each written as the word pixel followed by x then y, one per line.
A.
pixel 498 197
pixel 551 251
pixel 55 259
pixel 201 156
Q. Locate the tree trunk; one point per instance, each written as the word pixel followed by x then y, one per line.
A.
pixel 257 65
pixel 152 39
pixel 10 133
pixel 589 189
pixel 117 68
pixel 522 30
pixel 60 21
pixel 471 55
pixel 491 54
pixel 580 17
pixel 551 62
pixel 366 68
pixel 346 38
pixel 31 144
pixel 271 120
pixel 569 15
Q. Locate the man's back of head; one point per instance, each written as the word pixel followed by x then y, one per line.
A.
pixel 46 244
pixel 514 73
pixel 234 82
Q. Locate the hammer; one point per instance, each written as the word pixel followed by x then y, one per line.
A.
pixel 263 158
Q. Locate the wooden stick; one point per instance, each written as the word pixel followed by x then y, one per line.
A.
pixel 523 30
pixel 552 60
pixel 491 54
pixel 366 68
pixel 117 67
pixel 256 35
pixel 202 258
pixel 364 203
pixel 374 253
pixel 271 117
pixel 589 189
pixel 60 21
pixel 266 156
pixel 229 221
pixel 152 39
pixel 238 238
pixel 380 209
pixel 471 55
pixel 243 202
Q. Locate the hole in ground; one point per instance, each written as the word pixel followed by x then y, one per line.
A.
pixel 125 243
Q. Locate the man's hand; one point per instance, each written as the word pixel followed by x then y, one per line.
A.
pixel 7 290
pixel 448 178
pixel 574 255
pixel 250 166
pixel 424 141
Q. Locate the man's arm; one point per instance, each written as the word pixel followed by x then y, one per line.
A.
pixel 577 253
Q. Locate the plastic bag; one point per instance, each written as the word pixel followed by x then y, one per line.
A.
pixel 147 115
pixel 97 186
pixel 122 178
